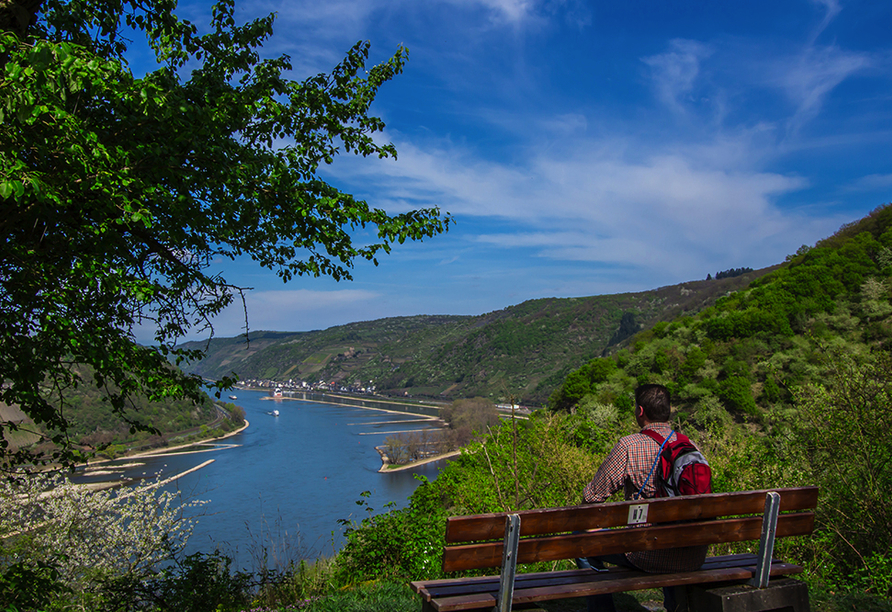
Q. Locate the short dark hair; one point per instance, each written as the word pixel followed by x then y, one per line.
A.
pixel 655 401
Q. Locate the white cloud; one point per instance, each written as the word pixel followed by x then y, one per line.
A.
pixel 872 182
pixel 520 12
pixel 602 201
pixel 832 9
pixel 335 19
pixel 288 310
pixel 810 78
pixel 675 71
pixel 566 124
pixel 511 11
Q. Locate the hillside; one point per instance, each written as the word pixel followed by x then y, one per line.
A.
pixel 746 356
pixel 93 425
pixel 524 351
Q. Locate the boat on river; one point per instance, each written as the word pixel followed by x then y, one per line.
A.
pixel 275 413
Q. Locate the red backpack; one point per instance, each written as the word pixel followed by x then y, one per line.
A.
pixel 680 468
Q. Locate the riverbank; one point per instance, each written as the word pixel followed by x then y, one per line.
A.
pixel 426 417
pixel 155 452
pixel 95 467
pixel 354 402
pixel 160 452
pixel 387 467
pixel 360 401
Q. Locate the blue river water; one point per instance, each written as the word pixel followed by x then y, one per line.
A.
pixel 284 482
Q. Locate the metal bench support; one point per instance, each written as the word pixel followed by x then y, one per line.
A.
pixel 509 563
pixel 766 542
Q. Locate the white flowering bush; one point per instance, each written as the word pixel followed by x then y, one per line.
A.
pixel 90 536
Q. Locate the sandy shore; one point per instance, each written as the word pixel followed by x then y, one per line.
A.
pixel 167 449
pixel 386 467
pixel 91 467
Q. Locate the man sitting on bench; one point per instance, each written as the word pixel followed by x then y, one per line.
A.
pixel 627 467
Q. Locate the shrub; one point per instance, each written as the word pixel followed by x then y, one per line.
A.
pixel 735 391
pixel 26 586
pixel 88 537
pixel 201 583
pixel 399 544
pixel 846 434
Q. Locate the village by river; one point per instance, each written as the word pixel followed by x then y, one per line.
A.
pixel 285 481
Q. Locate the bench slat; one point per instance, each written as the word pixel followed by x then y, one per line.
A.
pixel 580 518
pixel 650 581
pixel 569 546
pixel 594 583
pixel 491 583
pixel 453 586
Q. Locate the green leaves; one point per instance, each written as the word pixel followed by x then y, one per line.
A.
pixel 118 192
pixel 9 189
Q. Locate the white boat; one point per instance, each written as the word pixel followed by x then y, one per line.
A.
pixel 232 397
pixel 277 392
pixel 275 413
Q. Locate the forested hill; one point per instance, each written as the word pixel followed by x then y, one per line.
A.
pixel 746 356
pixel 522 351
pixel 93 425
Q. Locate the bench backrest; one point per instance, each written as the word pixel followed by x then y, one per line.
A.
pixel 552 534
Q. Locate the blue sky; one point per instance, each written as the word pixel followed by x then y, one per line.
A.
pixel 587 148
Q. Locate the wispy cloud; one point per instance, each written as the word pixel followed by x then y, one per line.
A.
pixel 872 182
pixel 530 12
pixel 584 149
pixel 810 78
pixel 295 309
pixel 511 11
pixel 603 202
pixel 675 71
pixel 831 10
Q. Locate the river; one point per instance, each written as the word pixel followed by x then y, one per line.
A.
pixel 284 482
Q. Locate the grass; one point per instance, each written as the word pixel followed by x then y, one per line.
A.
pixel 381 596
pixel 821 600
pixel 832 601
pixel 368 597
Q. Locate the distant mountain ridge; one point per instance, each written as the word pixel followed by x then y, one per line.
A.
pixel 521 352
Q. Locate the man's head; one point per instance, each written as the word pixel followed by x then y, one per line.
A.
pixel 655 401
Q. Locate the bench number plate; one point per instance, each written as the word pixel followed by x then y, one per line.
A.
pixel 637 514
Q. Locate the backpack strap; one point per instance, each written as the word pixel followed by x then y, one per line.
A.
pixel 662 442
pixel 650 433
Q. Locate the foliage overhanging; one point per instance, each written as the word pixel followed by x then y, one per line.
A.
pixel 118 191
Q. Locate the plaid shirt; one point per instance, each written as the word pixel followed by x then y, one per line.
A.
pixel 627 467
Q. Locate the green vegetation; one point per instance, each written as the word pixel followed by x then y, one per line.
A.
pixel 785 383
pixel 748 352
pixel 94 427
pixel 545 462
pixel 465 419
pixel 524 350
pixel 117 191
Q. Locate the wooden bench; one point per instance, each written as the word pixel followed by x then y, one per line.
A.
pixel 506 539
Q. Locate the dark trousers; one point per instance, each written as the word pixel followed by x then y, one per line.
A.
pixel 604 603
